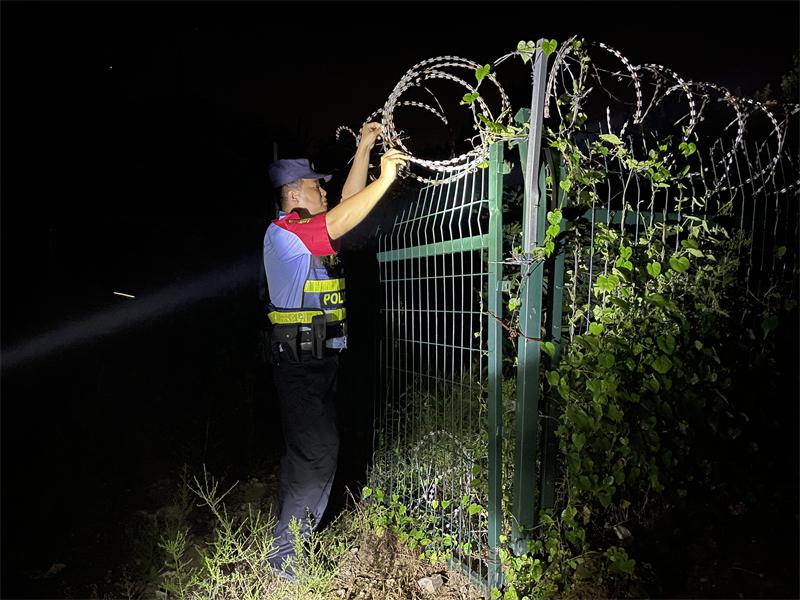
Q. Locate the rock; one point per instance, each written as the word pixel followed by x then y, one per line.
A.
pixel 54 570
pixel 623 533
pixel 431 584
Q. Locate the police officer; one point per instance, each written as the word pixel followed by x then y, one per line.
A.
pixel 308 324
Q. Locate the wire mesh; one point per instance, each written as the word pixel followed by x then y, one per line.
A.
pixel 725 161
pixel 757 207
pixel 733 166
pixel 431 436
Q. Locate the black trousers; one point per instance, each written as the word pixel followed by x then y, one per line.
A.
pixel 306 393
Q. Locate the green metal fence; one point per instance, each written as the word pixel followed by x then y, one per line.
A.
pixel 438 447
pixel 439 428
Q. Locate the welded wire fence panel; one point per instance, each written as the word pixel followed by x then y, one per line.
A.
pixel 432 454
pixel 675 152
pixel 757 208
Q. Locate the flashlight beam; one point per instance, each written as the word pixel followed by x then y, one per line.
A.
pixel 159 304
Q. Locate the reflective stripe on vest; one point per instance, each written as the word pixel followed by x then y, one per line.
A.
pixel 304 317
pixel 324 285
pixel 327 294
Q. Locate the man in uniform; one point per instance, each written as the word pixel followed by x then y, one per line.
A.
pixel 308 324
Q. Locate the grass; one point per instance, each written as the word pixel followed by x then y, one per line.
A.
pixel 226 554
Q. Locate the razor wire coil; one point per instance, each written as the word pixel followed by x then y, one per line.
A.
pixel 652 85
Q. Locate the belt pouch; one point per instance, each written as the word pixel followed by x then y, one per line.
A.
pixel 318 339
pixel 286 336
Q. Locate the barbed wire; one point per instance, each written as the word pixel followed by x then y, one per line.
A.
pixel 573 73
pixel 438 68
pixel 652 85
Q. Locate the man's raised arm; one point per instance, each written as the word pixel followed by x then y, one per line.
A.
pixel 357 177
pixel 352 210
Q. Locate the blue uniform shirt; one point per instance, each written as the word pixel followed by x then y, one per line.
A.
pixel 293 251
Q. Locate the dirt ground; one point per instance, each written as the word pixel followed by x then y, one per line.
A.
pixel 374 568
pixel 383 569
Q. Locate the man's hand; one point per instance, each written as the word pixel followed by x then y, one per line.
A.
pixel 369 135
pixel 391 163
pixel 352 209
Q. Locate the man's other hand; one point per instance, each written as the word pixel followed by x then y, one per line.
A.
pixel 369 135
pixel 391 163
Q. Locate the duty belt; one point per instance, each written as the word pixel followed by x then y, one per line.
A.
pixel 296 341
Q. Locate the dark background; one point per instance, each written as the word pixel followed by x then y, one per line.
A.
pixel 135 139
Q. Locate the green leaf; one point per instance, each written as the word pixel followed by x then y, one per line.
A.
pixel 657 299
pixel 595 328
pixel 565 185
pixel 568 514
pixel 621 303
pixel 624 566
pixel 553 378
pixel 690 243
pixel 614 414
pixel 611 139
pixel 366 493
pixel 554 217
pixel 607 283
pixel 587 341
pixel 474 509
pixel 687 148
pixel 526 50
pixel 549 46
pixel 469 98
pixel 679 263
pixel 770 322
pixel 606 360
pixel 578 440
pixel 662 364
pixel 549 348
pixel 493 126
pixel 483 165
pixel 624 264
pixel 510 593
pixel 780 251
pixel 482 72
pixel 666 343
pixel 625 252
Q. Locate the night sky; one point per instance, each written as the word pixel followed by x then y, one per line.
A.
pixel 136 134
pixel 135 139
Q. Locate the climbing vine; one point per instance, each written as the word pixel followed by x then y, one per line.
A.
pixel 660 329
pixel 660 338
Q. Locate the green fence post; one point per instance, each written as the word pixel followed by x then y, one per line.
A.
pixel 528 351
pixel 527 405
pixel 555 299
pixel 495 360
